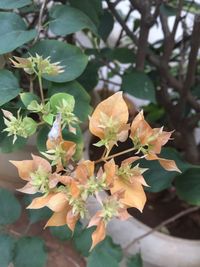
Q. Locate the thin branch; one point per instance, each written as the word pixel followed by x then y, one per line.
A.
pixel 122 30
pixel 164 223
pixel 39 26
pixel 195 44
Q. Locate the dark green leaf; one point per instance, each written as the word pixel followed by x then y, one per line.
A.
pixel 188 186
pixel 135 261
pixel 69 56
pixel 42 138
pixel 106 25
pixel 61 232
pixel 93 9
pixel 6 249
pixel 67 20
pixel 13 32
pixel 36 215
pixel 89 78
pixel 139 85
pixel 10 208
pixel 105 254
pixel 30 252
pixel 83 241
pixel 9 86
pixel 168 10
pixel 11 4
pixel 123 55
pixel 158 178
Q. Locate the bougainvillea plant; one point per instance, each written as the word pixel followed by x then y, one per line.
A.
pixel 65 181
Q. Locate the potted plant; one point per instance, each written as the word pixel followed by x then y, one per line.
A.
pixel 156 72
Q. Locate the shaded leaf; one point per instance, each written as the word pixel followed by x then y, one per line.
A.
pixel 30 252
pixel 106 25
pixel 139 85
pixel 9 86
pixel 6 249
pixel 188 186
pixel 14 33
pixel 61 232
pixel 9 4
pixel 67 20
pixel 10 208
pixel 135 261
pixel 105 254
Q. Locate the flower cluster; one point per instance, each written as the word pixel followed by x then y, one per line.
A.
pixel 67 184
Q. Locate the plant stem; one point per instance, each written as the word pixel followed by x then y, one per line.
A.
pixel 171 219
pixel 40 86
pixel 115 155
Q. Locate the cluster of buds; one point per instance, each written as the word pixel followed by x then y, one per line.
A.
pixel 68 184
pixel 18 126
pixel 37 65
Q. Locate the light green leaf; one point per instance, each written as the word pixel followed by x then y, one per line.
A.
pixel 9 86
pixel 56 101
pixel 69 56
pixel 30 252
pixel 82 108
pixel 188 186
pixel 11 4
pixel 27 98
pixel 67 20
pixel 105 254
pixel 30 126
pixel 6 249
pixel 139 85
pixel 10 208
pixel 13 32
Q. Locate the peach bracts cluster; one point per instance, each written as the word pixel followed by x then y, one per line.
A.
pixel 66 184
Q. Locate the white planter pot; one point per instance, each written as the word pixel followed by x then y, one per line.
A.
pixel 157 249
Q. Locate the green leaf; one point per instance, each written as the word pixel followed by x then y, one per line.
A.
pixel 188 186
pixel 89 78
pixel 57 101
pixel 27 98
pixel 106 25
pixel 158 178
pixel 9 86
pixel 30 126
pixel 67 20
pixel 69 56
pixel 82 108
pixel 13 32
pixel 105 254
pixel 36 215
pixel 83 241
pixel 42 137
pixel 6 250
pixel 30 252
pixel 93 9
pixel 11 4
pixel 10 209
pixel 139 85
pixel 49 118
pixel 61 232
pixel 123 55
pixel 135 261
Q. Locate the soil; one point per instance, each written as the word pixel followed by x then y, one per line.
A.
pixel 60 254
pixel 160 206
